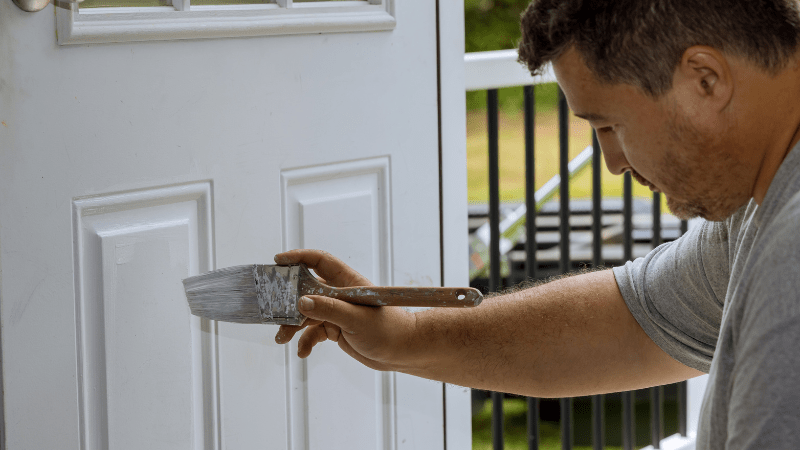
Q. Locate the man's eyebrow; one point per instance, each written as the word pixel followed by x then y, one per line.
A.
pixel 592 117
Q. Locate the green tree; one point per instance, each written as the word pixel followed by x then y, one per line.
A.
pixel 492 24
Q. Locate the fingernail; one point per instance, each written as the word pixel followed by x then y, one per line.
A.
pixel 306 304
pixel 278 338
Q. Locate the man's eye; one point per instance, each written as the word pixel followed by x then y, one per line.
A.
pixel 606 129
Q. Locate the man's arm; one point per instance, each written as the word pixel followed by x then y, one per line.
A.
pixel 571 337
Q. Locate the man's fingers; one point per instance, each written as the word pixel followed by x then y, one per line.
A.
pixel 327 318
pixel 311 258
pixel 342 314
pixel 287 332
pixel 333 331
pixel 325 265
pixel 311 337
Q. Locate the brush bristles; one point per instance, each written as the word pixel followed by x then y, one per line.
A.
pixel 227 294
pixel 253 293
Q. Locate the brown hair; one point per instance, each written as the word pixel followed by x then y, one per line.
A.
pixel 641 42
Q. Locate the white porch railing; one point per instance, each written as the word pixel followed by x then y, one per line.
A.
pixel 499 69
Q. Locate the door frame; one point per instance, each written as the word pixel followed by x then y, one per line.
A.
pixel 453 195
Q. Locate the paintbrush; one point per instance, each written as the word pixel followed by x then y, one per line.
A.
pixel 264 293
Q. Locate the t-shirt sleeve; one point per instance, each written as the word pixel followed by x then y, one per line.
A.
pixel 677 292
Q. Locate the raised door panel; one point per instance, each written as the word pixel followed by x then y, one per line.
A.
pixel 147 368
pixel 342 208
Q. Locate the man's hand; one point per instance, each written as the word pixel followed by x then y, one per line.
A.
pixel 378 337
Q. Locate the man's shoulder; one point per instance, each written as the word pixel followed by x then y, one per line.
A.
pixel 782 231
pixel 774 265
pixel 789 214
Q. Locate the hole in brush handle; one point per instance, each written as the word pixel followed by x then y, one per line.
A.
pixel 468 297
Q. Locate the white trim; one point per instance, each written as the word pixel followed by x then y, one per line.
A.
pixel 336 4
pixel 458 419
pixel 454 144
pixel 104 25
pixel 179 5
pixel 458 406
pixel 675 442
pixel 695 392
pixel 498 69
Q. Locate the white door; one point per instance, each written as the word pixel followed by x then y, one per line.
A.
pixel 159 142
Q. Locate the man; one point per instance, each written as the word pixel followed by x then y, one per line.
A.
pixel 699 100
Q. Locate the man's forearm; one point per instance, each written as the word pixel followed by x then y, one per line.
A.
pixel 571 337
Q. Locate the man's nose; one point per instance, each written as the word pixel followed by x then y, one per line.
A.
pixel 612 153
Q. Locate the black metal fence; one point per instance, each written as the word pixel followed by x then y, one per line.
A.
pixel 531 265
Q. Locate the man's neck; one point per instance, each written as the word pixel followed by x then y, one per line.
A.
pixel 776 113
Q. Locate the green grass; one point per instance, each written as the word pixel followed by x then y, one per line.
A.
pixel 515 429
pixel 515 425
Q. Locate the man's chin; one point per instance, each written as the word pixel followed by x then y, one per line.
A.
pixel 685 210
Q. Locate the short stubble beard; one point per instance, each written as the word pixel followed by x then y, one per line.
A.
pixel 706 182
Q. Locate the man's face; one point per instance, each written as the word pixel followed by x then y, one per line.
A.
pixel 656 141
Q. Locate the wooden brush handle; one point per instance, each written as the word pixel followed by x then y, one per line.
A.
pixel 391 295
pixel 407 296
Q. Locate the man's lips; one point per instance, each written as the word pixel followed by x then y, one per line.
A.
pixel 643 181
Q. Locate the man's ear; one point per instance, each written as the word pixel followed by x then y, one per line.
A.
pixel 703 81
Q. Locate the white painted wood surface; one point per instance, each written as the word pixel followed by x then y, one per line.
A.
pixel 499 69
pixel 126 167
pixel 455 243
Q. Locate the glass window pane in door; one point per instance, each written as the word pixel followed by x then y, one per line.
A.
pixel 120 3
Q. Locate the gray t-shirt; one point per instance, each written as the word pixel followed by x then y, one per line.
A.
pixel 725 299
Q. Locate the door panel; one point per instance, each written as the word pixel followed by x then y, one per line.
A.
pixel 341 208
pixel 135 336
pixel 99 349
